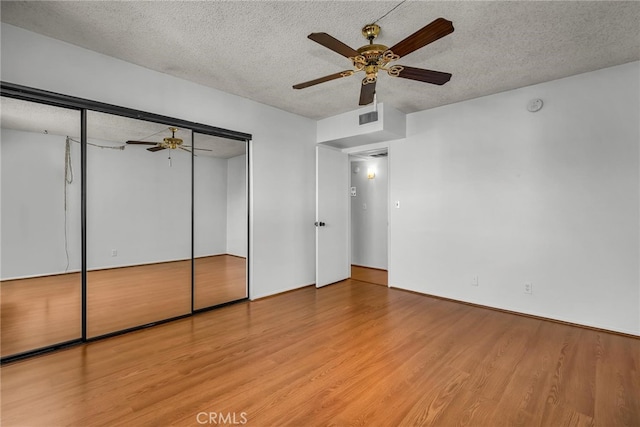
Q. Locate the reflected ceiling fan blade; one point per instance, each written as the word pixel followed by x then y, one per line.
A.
pixel 427 34
pixel 142 142
pixel 189 151
pixel 367 93
pixel 334 44
pixel 330 77
pixel 422 75
pixel 158 148
pixel 201 149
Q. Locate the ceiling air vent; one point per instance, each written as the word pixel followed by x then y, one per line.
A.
pixel 369 117
pixel 371 154
pixel 375 156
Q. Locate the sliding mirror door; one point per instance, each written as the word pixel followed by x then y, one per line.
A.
pixel 40 279
pixel 138 223
pixel 220 220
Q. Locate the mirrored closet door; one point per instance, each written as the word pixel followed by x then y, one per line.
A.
pixel 113 219
pixel 138 223
pixel 220 220
pixel 40 279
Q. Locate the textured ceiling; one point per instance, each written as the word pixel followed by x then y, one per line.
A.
pixel 259 49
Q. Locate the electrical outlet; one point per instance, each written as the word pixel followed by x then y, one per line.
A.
pixel 528 288
pixel 475 281
pixel 114 252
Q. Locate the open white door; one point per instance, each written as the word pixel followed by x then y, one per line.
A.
pixel 332 216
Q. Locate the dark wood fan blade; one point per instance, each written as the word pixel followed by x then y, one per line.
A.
pixel 155 148
pixel 366 93
pixel 323 79
pixel 334 44
pixel 422 75
pixel 142 142
pixel 428 34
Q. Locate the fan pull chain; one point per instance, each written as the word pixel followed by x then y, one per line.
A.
pixel 68 179
pixel 68 169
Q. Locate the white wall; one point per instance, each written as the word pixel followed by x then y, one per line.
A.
pixel 489 189
pixel 236 243
pixel 283 197
pixel 32 204
pixel 369 214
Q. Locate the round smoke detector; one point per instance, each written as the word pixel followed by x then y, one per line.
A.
pixel 534 105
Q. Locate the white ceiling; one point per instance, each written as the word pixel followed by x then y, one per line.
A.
pixel 259 49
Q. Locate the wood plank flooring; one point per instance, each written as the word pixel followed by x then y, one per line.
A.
pixel 352 353
pixel 370 275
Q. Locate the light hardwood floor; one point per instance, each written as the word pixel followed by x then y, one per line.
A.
pixel 352 353
pixel 369 275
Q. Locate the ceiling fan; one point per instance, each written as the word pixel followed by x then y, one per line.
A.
pixel 169 142
pixel 372 58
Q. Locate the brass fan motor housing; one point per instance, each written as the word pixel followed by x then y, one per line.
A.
pixel 372 52
pixel 172 142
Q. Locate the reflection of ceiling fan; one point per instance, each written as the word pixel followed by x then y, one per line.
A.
pixel 374 57
pixel 169 142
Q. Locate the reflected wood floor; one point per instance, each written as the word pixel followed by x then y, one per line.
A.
pixel 43 311
pixel 219 279
pixel 39 311
pixel 126 297
pixel 352 353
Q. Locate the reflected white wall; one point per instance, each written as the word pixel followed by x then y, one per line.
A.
pixel 32 204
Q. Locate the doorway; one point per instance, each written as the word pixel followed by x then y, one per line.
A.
pixel 369 181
